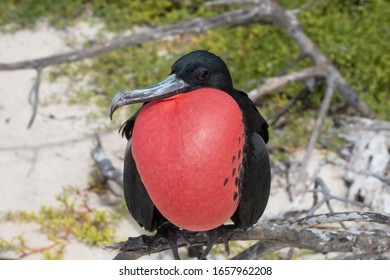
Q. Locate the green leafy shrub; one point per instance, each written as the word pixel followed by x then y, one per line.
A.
pixel 72 217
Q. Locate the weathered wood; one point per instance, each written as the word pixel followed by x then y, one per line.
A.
pixel 106 169
pixel 276 236
pixel 371 154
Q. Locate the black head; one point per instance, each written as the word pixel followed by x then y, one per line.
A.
pixel 198 69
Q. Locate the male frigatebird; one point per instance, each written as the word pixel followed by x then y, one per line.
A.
pixel 197 154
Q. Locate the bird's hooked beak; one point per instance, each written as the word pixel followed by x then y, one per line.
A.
pixel 164 89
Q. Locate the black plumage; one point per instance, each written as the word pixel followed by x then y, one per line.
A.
pixel 201 69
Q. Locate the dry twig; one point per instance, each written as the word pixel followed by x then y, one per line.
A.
pixel 106 168
pixel 302 94
pixel 34 96
pixel 353 169
pixel 317 128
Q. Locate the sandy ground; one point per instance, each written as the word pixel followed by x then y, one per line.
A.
pixel 36 163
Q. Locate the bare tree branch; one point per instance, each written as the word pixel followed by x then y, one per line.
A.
pixel 317 128
pixel 271 84
pixel 302 94
pixel 289 23
pixel 292 64
pixel 34 96
pixel 273 237
pixel 371 246
pixel 199 25
pixel 351 168
pixel 106 168
pixel 354 216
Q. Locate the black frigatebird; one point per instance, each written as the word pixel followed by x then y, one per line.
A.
pixel 197 155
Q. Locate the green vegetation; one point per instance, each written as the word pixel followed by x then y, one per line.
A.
pixel 71 218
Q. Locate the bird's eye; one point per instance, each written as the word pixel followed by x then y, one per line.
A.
pixel 202 74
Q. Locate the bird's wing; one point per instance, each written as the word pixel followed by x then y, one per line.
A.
pixel 255 184
pixel 256 174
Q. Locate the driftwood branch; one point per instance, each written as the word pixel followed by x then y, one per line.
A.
pixel 275 236
pixel 200 25
pixel 353 169
pixel 301 94
pixel 272 84
pixel 107 170
pixel 317 127
pixel 257 12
